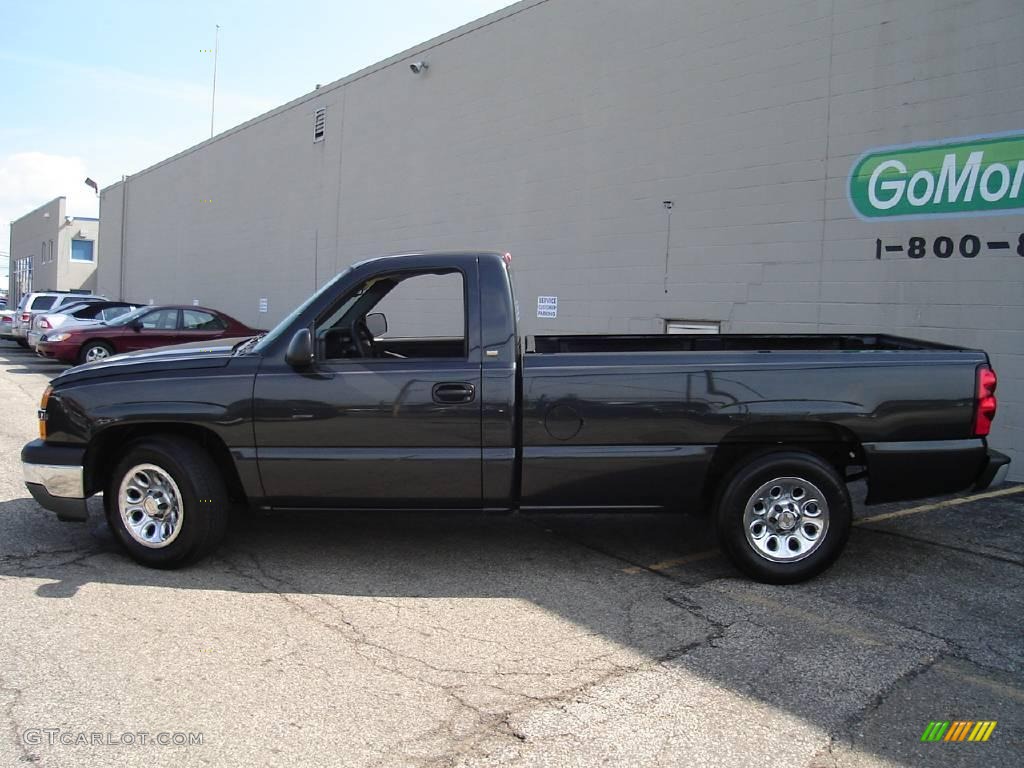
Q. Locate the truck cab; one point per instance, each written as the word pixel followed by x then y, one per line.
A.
pixel 418 419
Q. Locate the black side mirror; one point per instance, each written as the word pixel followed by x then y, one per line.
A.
pixel 136 324
pixel 377 324
pixel 300 349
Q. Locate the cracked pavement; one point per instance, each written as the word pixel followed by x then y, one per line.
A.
pixel 484 640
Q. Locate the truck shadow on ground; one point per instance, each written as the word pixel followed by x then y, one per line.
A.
pixel 896 618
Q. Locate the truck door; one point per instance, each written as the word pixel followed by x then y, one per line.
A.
pixel 383 418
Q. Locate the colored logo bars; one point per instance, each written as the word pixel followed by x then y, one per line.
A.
pixel 959 730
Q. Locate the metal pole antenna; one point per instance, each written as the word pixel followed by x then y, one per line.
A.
pixel 213 102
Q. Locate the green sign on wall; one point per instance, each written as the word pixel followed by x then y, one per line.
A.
pixel 964 177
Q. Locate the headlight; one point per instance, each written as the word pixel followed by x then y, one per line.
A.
pixel 56 337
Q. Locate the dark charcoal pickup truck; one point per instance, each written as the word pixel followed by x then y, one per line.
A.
pixel 328 411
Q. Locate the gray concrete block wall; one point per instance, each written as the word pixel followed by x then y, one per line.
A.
pixel 557 129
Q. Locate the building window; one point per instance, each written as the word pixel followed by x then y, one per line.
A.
pixel 51 250
pixel 319 124
pixel 23 276
pixel 81 250
pixel 692 327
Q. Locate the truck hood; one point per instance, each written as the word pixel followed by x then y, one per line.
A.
pixel 179 357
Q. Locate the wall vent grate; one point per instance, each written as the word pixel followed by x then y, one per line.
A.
pixel 319 124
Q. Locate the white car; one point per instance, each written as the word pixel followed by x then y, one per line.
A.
pixel 7 325
pixel 75 315
pixel 36 303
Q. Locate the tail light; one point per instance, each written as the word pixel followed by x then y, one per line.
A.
pixel 44 323
pixel 26 316
pixel 985 401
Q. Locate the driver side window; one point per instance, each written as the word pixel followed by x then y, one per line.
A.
pixel 425 314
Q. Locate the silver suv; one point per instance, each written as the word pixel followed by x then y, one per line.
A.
pixel 32 304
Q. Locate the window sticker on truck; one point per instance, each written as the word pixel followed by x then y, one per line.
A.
pixel 964 177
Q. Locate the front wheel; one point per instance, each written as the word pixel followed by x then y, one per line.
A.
pixel 166 502
pixel 784 517
pixel 95 351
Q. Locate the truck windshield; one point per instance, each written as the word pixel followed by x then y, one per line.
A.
pixel 276 332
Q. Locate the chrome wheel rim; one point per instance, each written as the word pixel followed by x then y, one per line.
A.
pixel 96 353
pixel 786 519
pixel 150 505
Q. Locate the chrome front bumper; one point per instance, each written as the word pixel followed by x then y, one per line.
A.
pixel 59 487
pixel 63 482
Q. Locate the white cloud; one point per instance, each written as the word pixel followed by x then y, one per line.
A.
pixel 29 179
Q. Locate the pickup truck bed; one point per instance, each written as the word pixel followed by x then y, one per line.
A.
pixel 637 423
pixel 762 431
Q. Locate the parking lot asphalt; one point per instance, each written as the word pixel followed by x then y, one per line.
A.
pixel 483 640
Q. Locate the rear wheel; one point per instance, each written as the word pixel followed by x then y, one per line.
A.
pixel 784 517
pixel 166 502
pixel 94 351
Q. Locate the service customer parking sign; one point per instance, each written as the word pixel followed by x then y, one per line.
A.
pixel 958 177
pixel 547 306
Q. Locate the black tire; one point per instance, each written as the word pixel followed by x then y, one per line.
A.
pixel 83 353
pixel 204 504
pixel 806 559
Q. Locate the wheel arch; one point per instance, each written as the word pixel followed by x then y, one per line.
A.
pixel 836 445
pixel 87 342
pixel 108 446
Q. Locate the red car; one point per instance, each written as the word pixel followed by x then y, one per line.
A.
pixel 143 328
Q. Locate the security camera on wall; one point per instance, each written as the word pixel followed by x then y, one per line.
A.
pixel 419 67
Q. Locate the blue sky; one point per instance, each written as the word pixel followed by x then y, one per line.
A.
pixel 105 88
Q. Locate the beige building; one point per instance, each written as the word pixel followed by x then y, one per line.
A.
pixel 52 251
